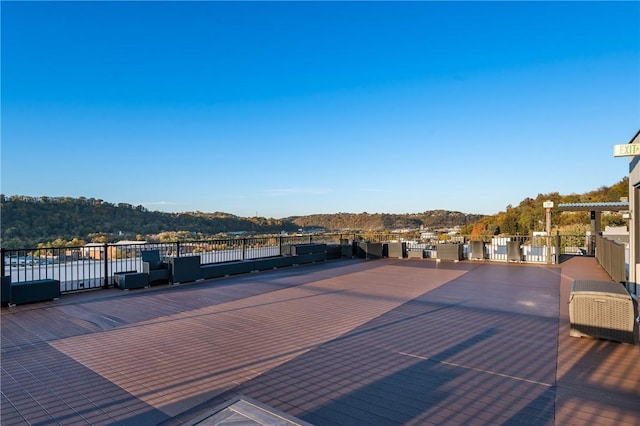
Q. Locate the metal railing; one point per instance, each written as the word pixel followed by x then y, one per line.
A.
pixel 500 248
pixel 94 265
pixel 611 255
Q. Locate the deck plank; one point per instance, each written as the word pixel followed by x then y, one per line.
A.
pixel 347 342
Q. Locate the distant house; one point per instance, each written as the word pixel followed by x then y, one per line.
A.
pixel 428 235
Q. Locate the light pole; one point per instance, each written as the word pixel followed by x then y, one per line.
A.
pixel 548 205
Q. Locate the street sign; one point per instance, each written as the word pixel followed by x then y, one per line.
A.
pixel 547 204
pixel 626 150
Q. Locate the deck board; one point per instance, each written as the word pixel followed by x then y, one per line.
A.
pixel 345 342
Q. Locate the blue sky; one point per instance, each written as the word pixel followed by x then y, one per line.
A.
pixel 281 109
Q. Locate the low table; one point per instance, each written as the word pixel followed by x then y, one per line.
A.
pixel 130 280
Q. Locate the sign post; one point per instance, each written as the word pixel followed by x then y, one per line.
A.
pixel 548 205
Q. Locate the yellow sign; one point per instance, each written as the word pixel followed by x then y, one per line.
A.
pixel 626 150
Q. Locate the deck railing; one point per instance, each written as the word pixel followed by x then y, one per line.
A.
pixel 94 265
pixel 611 255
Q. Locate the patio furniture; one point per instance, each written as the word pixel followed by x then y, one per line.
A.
pixel 415 254
pixel 215 270
pixel 397 250
pixel 334 251
pixel 367 250
pixel 5 290
pixel 274 262
pixel 514 251
pixel 184 268
pixel 299 249
pixel 478 250
pixel 346 249
pixel 602 309
pixel 449 252
pixel 309 258
pixel 154 266
pixel 34 291
pixel 131 280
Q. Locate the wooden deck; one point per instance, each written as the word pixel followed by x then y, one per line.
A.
pixel 346 342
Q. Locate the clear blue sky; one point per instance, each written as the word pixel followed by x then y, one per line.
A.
pixel 285 109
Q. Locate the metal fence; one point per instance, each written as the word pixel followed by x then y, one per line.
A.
pixel 94 265
pixel 515 248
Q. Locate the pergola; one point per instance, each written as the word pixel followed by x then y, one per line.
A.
pixel 596 210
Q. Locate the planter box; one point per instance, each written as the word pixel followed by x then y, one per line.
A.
pixel 369 250
pixel 299 249
pixel 334 251
pixel 478 250
pixel 184 268
pixel 285 250
pixel 34 291
pixel 397 250
pixel 272 262
pixel 216 270
pixel 514 252
pixel 602 309
pixel 415 254
pixel 449 252
pixel 309 258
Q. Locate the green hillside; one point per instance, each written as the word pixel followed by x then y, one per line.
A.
pixel 529 215
pixel 434 219
pixel 29 221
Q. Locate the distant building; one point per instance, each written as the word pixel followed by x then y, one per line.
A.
pixel 616 233
pixel 428 235
pixel 117 250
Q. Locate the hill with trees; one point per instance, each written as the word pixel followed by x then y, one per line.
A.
pixel 433 219
pixel 30 221
pixel 530 214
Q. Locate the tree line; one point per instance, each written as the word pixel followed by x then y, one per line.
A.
pixel 29 222
pixel 530 215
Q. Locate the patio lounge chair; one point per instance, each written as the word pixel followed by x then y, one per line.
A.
pixel 154 266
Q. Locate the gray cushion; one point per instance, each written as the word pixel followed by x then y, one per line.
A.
pixel 152 257
pixel 155 264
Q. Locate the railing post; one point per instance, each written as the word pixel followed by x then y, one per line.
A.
pixel 177 248
pixel 244 246
pixel 105 284
pixel 2 270
pixel 280 245
pixel 557 247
